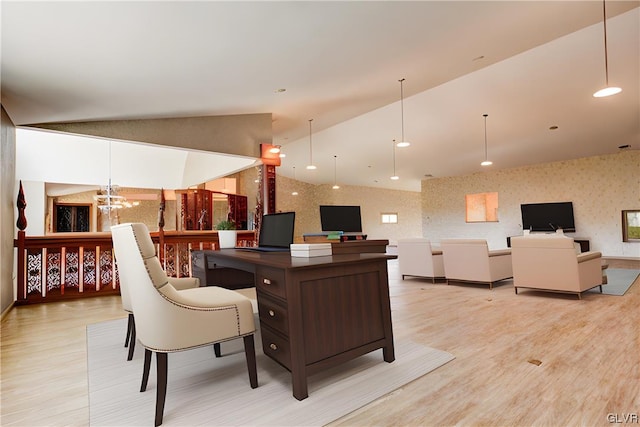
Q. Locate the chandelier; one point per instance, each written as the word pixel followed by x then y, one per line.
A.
pixel 108 198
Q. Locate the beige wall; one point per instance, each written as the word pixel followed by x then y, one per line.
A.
pixel 600 188
pixel 372 202
pixel 7 204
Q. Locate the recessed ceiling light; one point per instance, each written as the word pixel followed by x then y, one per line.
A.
pixel 478 58
pixel 554 127
pixel 280 90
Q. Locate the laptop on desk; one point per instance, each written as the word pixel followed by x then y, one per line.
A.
pixel 276 233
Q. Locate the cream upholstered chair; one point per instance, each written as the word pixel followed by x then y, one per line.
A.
pixel 550 263
pixel 168 320
pixel 417 258
pixel 470 260
pixel 130 338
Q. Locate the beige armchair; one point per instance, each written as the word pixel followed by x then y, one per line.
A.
pixel 168 320
pixel 470 260
pixel 550 263
pixel 130 338
pixel 417 258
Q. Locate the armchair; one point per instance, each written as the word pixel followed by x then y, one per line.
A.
pixel 168 320
pixel 550 263
pixel 470 260
pixel 130 338
pixel 417 258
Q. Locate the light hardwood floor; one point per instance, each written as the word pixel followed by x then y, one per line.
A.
pixel 589 351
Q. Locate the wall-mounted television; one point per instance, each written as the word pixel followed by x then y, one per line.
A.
pixel 548 216
pixel 340 218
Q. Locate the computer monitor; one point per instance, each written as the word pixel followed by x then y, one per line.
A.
pixel 276 230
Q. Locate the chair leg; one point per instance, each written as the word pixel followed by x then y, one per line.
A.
pixel 250 354
pixel 132 341
pixel 145 369
pixel 217 350
pixel 129 323
pixel 161 392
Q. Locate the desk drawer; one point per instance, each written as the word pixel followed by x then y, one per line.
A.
pixel 273 314
pixel 271 280
pixel 276 347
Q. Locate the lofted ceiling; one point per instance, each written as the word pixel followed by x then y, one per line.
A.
pixel 529 65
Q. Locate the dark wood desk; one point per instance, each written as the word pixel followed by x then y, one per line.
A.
pixel 315 313
pixel 378 246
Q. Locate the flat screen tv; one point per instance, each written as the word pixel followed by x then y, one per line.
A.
pixel 341 218
pixel 547 216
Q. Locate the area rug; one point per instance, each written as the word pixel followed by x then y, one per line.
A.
pixel 204 390
pixel 619 280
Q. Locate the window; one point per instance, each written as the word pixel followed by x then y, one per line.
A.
pixel 71 218
pixel 389 218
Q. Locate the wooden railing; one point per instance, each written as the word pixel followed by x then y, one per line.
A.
pixel 73 265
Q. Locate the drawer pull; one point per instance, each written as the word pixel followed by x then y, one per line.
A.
pixel 266 281
pixel 272 346
pixel 272 313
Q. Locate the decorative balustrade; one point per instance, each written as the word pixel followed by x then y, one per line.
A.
pixel 72 265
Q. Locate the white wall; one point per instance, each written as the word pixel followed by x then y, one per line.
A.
pixel 70 159
pixel 7 204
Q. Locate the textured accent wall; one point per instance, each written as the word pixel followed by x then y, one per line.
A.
pixel 600 188
pixel 372 202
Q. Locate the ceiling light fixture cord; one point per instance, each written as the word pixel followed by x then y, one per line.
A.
pixel 607 90
pixel 485 137
pixel 606 60
pixel 402 143
pixel 401 108
pixel 310 166
pixel 486 161
pixel 394 176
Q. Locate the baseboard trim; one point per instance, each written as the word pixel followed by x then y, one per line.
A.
pixel 622 261
pixel 7 310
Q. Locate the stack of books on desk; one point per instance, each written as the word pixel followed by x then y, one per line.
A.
pixel 308 250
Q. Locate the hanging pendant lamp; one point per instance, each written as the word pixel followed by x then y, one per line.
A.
pixel 486 161
pixel 394 176
pixel 403 142
pixel 294 192
pixel 335 173
pixel 310 166
pixel 607 90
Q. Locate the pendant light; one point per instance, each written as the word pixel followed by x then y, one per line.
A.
pixel 607 90
pixel 335 173
pixel 403 142
pixel 486 161
pixel 394 176
pixel 294 192
pixel 310 166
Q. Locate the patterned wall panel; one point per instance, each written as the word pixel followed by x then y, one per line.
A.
pixel 600 188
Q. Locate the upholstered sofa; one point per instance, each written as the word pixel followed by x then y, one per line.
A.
pixel 416 257
pixel 470 260
pixel 549 262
